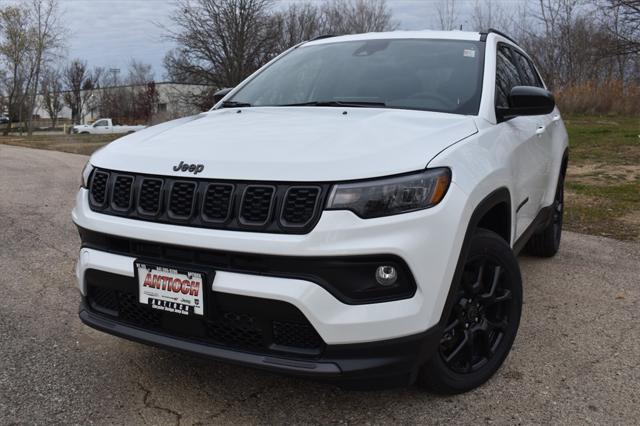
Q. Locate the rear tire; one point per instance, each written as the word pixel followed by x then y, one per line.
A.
pixel 483 322
pixel 546 242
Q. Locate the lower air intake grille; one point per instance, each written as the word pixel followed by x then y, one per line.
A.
pixel 295 335
pixel 236 329
pixel 131 311
pixel 233 321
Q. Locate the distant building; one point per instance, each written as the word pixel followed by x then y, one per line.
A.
pixel 173 100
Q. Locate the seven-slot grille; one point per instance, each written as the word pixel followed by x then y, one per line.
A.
pixel 238 205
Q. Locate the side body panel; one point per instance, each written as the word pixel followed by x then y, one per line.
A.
pixel 523 154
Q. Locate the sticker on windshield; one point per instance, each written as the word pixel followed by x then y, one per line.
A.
pixel 469 53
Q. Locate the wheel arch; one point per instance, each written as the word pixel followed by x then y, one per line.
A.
pixel 565 162
pixel 494 202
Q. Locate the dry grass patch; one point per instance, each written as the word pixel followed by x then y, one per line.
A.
pixel 75 144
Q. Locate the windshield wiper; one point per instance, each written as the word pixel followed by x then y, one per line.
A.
pixel 234 104
pixel 339 104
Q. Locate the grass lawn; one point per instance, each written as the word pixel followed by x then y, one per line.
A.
pixel 603 181
pixel 75 144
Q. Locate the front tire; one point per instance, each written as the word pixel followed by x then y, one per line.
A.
pixel 483 322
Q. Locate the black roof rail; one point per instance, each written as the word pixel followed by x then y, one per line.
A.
pixel 320 37
pixel 500 33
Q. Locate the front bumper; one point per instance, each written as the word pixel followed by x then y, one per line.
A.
pixel 374 365
pixel 429 241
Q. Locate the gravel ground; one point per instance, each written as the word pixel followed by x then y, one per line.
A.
pixel 576 358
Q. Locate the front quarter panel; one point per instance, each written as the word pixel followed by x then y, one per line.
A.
pixel 479 166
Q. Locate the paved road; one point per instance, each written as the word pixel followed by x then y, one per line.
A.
pixel 576 358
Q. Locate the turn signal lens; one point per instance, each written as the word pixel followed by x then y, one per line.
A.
pixel 388 196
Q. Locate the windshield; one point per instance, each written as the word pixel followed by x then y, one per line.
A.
pixel 433 75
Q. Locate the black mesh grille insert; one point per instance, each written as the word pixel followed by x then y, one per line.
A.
pixel 149 198
pixel 122 192
pixel 99 187
pixel 227 324
pixel 217 202
pixel 132 311
pixel 104 297
pixel 300 205
pixel 181 201
pixel 295 335
pixel 236 329
pixel 256 204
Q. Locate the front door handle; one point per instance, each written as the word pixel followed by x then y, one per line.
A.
pixel 540 131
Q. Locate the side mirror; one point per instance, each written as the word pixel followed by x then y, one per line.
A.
pixel 217 96
pixel 527 100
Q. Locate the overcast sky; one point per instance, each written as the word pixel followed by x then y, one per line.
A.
pixel 109 33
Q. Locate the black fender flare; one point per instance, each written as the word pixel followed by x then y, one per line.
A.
pixel 500 195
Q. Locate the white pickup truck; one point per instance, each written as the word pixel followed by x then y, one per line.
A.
pixel 104 126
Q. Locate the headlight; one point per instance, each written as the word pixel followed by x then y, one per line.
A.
pixel 393 195
pixel 86 173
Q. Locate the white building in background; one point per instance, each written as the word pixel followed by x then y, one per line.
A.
pixel 174 100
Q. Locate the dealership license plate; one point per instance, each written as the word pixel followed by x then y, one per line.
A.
pixel 171 290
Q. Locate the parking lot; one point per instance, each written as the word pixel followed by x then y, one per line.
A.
pixel 576 358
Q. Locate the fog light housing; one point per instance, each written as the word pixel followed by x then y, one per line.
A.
pixel 386 275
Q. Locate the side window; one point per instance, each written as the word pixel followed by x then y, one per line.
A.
pixel 506 76
pixel 529 74
pixel 100 123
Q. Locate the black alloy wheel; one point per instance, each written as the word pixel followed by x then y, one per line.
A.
pixel 480 317
pixel 483 320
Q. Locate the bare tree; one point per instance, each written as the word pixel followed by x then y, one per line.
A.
pixel 16 49
pixel 80 84
pixel 47 33
pixel 299 22
pixel 356 16
pixel 52 93
pixel 139 73
pixel 220 42
pixel 447 15
pixel 489 14
pixel 624 23
pixel 145 102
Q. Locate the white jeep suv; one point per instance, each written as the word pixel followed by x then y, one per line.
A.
pixel 351 212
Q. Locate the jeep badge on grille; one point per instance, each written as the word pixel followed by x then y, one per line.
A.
pixel 192 168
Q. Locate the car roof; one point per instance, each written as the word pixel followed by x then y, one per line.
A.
pixel 389 35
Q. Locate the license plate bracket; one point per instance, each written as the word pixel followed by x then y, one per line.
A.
pixel 174 289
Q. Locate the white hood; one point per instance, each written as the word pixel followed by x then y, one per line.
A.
pixel 289 144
